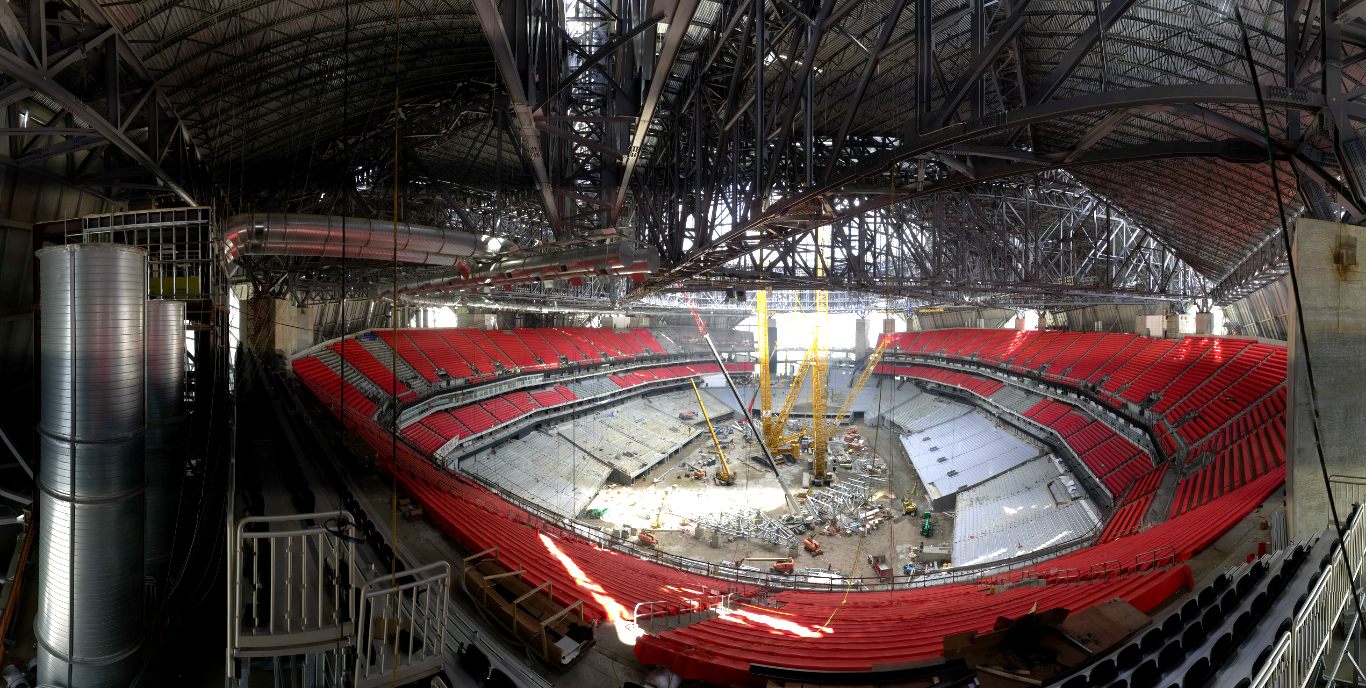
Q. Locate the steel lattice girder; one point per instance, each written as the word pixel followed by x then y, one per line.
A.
pixel 46 55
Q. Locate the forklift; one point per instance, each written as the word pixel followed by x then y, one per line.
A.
pixel 927 525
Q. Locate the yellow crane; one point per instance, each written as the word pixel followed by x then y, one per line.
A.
pixel 820 370
pixel 761 340
pixel 873 359
pixel 776 439
pixel 724 476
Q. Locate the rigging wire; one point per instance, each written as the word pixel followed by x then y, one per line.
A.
pixel 1303 339
pixel 393 354
pixel 346 210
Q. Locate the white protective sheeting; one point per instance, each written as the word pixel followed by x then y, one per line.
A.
pixel 1033 506
pixel 964 451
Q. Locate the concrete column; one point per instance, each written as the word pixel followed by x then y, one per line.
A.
pixel 293 327
pixel 258 325
pixel 860 337
pixel 888 325
pixel 1333 293
pixel 482 321
pixel 1204 323
pixel 1150 325
pixel 1173 325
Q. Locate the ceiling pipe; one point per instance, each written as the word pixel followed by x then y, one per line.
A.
pixel 618 258
pixel 320 236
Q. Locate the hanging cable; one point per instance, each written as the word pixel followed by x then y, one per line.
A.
pixel 1303 339
pixel 393 358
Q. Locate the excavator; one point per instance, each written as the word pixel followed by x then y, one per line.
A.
pixel 724 476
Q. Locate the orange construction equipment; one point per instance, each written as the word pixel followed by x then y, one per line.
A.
pixel 780 564
pixel 811 546
pixel 647 539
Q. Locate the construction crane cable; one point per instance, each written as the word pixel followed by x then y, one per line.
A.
pixel 791 501
pixel 1299 310
pixel 393 360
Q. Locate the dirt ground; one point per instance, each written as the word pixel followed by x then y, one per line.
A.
pixel 667 501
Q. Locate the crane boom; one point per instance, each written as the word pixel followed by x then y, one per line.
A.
pixel 793 506
pixel 775 439
pixel 723 476
pixel 820 433
pixel 873 359
pixel 762 344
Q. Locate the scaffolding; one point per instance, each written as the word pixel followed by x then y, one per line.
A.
pixel 749 524
pixel 181 253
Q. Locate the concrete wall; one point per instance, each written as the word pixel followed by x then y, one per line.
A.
pixel 1150 325
pixel 1334 300
pixel 293 327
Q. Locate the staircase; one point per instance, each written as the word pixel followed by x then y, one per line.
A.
pixel 347 372
pixel 384 354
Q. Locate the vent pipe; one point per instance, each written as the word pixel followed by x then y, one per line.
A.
pixel 91 484
pixel 292 234
pixel 618 258
pixel 166 431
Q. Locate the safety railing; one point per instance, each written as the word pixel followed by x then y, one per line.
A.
pixel 449 395
pixel 293 584
pixel 403 626
pixel 1295 659
pixel 644 611
pixel 557 525
pixel 1347 490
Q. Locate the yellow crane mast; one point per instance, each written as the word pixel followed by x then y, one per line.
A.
pixel 777 440
pixel 873 359
pixel 761 339
pixel 820 371
pixel 724 476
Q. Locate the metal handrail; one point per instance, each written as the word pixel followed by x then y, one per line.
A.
pixel 423 601
pixel 556 524
pixel 304 605
pixel 1295 659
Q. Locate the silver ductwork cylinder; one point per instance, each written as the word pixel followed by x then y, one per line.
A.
pixel 619 258
pixel 292 234
pixel 91 484
pixel 166 430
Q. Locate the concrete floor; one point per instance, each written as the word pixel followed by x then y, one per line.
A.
pixel 666 501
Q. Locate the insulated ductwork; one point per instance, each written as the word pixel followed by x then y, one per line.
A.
pixel 90 567
pixel 320 236
pixel 619 258
pixel 166 430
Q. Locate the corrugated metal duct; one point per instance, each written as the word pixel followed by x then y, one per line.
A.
pixel 90 567
pixel 166 431
pixel 619 258
pixel 293 234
